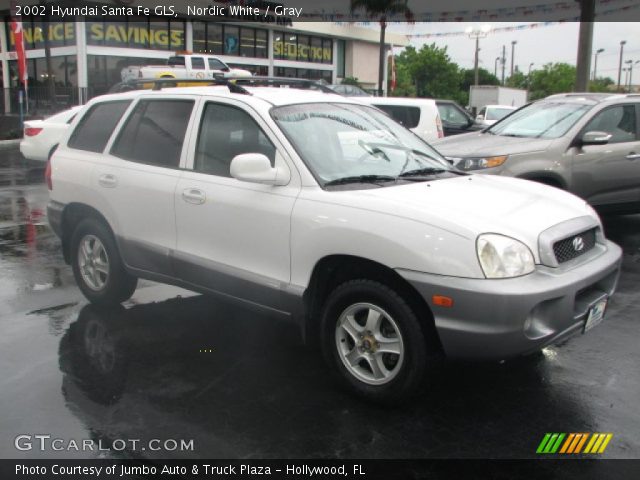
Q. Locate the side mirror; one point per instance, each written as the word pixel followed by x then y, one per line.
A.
pixel 595 138
pixel 256 168
pixel 480 117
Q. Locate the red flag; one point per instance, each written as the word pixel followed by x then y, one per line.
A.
pixel 393 71
pixel 16 28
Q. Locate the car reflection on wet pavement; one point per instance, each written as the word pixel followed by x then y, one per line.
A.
pixel 171 364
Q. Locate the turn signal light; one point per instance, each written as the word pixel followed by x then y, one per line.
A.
pixel 442 301
pixel 31 131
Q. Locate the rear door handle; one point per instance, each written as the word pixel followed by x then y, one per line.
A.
pixel 107 180
pixel 633 156
pixel 194 195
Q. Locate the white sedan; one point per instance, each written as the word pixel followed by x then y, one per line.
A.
pixel 41 137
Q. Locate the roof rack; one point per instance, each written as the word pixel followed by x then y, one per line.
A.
pixel 304 83
pixel 160 83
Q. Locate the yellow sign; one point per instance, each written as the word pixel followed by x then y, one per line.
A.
pixel 305 53
pixel 57 34
pixel 121 35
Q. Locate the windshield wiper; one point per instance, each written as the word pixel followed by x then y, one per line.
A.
pixel 375 179
pixel 422 171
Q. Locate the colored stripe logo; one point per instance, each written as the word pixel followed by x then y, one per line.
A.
pixel 574 443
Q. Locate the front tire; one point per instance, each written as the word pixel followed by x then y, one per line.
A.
pixel 97 266
pixel 373 340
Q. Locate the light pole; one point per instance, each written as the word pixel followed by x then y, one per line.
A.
pixel 477 33
pixel 595 63
pixel 622 44
pixel 513 52
pixel 631 64
pixel 495 67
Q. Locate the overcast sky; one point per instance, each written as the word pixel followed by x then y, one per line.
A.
pixel 555 43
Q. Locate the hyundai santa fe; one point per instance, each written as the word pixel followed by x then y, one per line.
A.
pixel 325 212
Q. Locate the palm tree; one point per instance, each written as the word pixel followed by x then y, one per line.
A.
pixel 381 9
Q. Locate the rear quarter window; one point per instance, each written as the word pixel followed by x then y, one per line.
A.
pixel 94 129
pixel 405 115
pixel 154 132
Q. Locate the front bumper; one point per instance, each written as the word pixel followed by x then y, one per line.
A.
pixel 501 318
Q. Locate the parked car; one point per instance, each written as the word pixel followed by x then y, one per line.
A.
pixel 586 143
pixel 41 137
pixel 455 119
pixel 185 66
pixel 490 114
pixel 420 115
pixel 326 212
pixel 349 90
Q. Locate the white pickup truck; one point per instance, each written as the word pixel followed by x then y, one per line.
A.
pixel 185 66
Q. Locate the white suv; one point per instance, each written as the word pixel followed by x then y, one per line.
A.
pixel 325 211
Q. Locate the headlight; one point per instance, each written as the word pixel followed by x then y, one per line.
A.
pixel 503 257
pixel 479 163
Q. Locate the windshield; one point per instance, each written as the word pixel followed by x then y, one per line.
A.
pixel 541 120
pixel 498 113
pixel 345 141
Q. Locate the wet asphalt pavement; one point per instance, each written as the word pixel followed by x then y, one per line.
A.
pixel 171 364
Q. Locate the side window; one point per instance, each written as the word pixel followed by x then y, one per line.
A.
pixel 451 114
pixel 225 132
pixel 197 63
pixel 407 116
pixel 215 64
pixel 619 121
pixel 482 112
pixel 154 132
pixel 95 128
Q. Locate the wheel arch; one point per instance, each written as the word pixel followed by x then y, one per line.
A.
pixel 334 270
pixel 547 178
pixel 72 215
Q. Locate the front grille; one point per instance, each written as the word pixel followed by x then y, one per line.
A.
pixel 574 246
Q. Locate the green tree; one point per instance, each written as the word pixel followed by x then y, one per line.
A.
pixel 429 72
pixel 552 78
pixel 601 84
pixel 380 9
pixel 517 80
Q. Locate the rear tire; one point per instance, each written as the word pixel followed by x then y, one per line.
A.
pixel 97 266
pixel 372 339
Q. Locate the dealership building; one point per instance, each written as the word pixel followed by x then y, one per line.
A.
pixel 88 53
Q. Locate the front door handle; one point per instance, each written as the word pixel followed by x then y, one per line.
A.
pixel 107 180
pixel 633 156
pixel 194 195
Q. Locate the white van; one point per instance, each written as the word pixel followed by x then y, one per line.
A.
pixel 420 115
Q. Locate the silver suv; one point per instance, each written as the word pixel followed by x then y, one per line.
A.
pixel 586 143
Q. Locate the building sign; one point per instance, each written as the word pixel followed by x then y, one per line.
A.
pixel 122 35
pixel 304 53
pixel 58 35
pixel 154 36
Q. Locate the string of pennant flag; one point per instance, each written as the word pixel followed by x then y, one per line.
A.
pixel 571 8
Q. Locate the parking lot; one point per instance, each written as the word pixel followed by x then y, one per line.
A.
pixel 171 364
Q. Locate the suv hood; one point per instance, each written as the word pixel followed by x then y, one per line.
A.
pixel 474 204
pixel 477 144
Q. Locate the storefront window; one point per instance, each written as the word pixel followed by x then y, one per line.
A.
pixel 247 42
pixel 199 37
pixel 309 73
pixel 231 40
pixel 261 44
pixel 278 45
